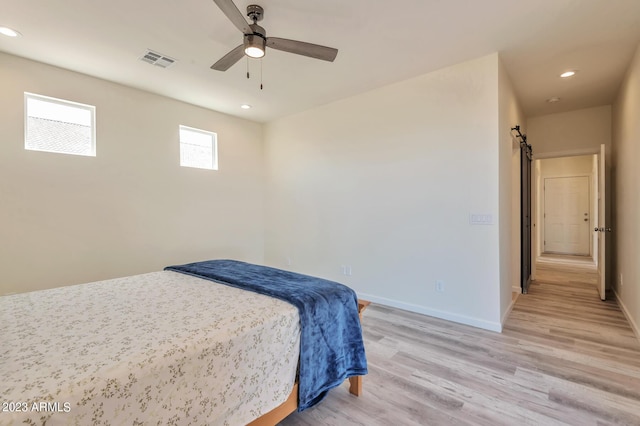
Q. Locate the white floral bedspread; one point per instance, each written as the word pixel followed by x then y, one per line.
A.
pixel 159 348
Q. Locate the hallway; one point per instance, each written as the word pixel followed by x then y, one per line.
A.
pixel 598 350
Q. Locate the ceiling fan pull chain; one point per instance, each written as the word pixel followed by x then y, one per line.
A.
pixel 247 67
pixel 260 73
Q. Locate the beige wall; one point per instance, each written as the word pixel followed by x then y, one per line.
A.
pixel 131 209
pixel 567 166
pixel 626 193
pixel 385 182
pixel 510 217
pixel 387 191
pixel 570 133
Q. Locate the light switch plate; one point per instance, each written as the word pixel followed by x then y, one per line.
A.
pixel 480 219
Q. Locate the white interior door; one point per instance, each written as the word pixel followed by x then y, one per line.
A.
pixel 602 226
pixel 567 225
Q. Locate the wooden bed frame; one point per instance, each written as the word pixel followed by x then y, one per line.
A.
pixel 291 404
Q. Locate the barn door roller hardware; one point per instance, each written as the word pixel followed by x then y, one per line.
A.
pixel 523 141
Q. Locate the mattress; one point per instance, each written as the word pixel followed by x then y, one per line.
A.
pixel 157 348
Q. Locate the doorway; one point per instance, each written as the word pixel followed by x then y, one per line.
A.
pixel 565 194
pixel 567 222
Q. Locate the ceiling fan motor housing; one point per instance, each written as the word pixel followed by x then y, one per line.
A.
pixel 258 39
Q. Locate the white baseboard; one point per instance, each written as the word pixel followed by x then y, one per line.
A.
pixel 517 290
pixel 625 311
pixel 449 316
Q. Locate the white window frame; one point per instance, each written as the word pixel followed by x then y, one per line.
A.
pixel 90 108
pixel 214 147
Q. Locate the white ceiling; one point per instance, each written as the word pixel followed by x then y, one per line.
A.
pixel 379 42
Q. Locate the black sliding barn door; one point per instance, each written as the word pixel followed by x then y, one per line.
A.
pixel 526 154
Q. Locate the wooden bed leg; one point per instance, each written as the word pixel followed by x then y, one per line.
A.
pixel 355 385
pixel 362 305
pixel 355 382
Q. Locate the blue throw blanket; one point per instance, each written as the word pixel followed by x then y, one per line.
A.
pixel 331 346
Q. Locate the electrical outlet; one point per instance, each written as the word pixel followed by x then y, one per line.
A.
pixel 440 286
pixel 346 270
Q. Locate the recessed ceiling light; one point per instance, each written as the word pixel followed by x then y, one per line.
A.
pixel 567 74
pixel 245 106
pixel 553 100
pixel 9 32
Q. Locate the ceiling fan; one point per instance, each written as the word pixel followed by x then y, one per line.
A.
pixel 256 40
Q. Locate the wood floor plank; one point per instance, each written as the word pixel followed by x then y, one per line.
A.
pixel 564 358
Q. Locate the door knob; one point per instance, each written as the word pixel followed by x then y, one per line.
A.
pixel 608 229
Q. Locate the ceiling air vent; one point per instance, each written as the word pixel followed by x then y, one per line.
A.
pixel 157 59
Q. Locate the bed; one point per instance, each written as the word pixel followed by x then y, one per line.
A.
pixel 168 347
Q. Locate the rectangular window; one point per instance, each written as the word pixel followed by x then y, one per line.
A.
pixel 198 148
pixel 56 125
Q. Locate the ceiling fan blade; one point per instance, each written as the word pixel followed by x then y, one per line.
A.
pixel 229 59
pixel 231 11
pixel 303 48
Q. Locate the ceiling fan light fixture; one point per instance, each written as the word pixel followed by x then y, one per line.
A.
pixel 254 52
pixel 254 46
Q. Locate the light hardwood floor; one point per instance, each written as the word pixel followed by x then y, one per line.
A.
pixel 564 357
